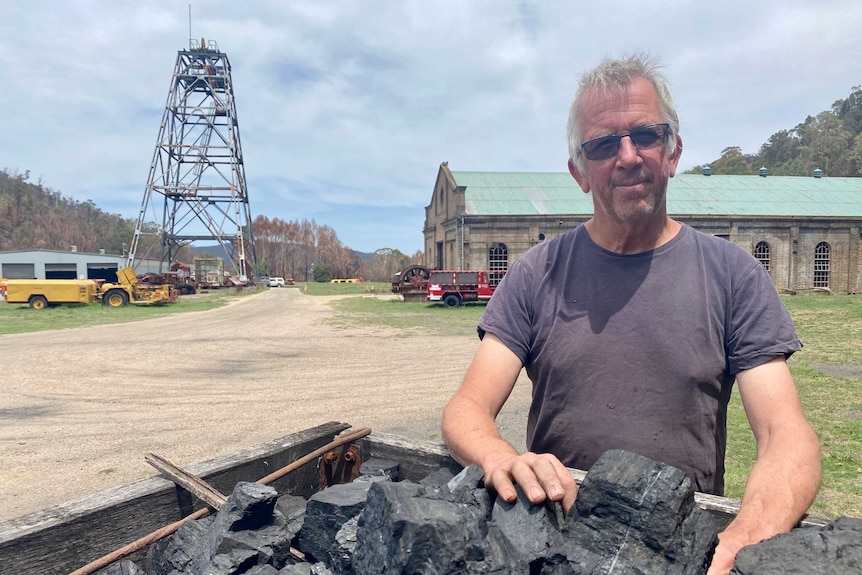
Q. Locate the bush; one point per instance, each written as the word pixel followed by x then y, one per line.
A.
pixel 322 273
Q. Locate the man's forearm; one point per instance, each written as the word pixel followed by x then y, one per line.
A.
pixel 783 482
pixel 471 434
pixel 781 487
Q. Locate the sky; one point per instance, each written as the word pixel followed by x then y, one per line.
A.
pixel 346 109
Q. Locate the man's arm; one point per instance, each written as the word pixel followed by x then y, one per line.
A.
pixel 786 475
pixel 471 433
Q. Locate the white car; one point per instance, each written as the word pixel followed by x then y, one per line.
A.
pixel 276 282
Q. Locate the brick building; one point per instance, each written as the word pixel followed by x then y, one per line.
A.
pixel 806 231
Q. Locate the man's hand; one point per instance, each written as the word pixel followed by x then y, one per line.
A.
pixel 725 554
pixel 540 476
pixel 472 436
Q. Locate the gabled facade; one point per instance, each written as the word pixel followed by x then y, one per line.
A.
pixel 807 232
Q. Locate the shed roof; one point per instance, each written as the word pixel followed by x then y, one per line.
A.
pixel 544 193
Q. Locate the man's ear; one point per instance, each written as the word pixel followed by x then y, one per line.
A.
pixel 579 177
pixel 673 160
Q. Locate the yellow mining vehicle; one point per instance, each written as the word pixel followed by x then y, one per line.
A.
pixel 128 290
pixel 40 294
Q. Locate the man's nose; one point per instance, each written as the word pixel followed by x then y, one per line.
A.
pixel 627 153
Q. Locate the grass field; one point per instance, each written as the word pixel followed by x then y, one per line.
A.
pixel 20 318
pixel 828 371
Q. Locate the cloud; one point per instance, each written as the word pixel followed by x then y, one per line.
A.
pixel 347 108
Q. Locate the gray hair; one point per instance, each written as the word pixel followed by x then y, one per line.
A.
pixel 618 74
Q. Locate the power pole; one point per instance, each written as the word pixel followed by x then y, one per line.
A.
pixel 197 175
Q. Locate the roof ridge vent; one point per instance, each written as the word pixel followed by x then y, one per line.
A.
pixel 817 173
pixel 762 172
pixel 707 170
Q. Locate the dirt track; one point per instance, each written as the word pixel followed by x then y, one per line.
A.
pixel 80 407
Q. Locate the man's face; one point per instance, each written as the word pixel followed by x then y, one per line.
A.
pixel 630 187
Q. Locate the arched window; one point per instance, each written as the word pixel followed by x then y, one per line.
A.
pixel 498 262
pixel 761 253
pixel 821 265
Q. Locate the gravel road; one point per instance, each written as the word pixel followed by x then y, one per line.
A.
pixel 79 408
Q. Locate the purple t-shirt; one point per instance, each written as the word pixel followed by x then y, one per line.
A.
pixel 638 352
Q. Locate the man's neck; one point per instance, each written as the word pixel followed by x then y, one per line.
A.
pixel 635 238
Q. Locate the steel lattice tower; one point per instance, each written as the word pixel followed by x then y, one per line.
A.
pixel 197 168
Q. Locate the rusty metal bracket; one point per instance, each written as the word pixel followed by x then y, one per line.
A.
pixel 340 465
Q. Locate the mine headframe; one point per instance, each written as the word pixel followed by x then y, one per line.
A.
pixel 197 175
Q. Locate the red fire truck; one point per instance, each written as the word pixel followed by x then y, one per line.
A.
pixel 454 287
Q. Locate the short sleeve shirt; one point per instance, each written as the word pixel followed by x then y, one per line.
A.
pixel 638 352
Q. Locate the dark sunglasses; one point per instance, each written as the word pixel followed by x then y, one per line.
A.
pixel 643 138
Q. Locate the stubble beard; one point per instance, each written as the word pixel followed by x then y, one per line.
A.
pixel 629 212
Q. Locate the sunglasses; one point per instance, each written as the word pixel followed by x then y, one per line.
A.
pixel 643 138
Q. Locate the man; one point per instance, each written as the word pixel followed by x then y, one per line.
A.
pixel 633 328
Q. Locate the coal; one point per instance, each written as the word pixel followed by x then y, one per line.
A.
pixel 635 515
pixel 325 515
pixel 632 515
pixel 401 531
pixel 376 467
pixel 175 553
pixel 530 529
pixel 124 567
pixel 835 549
pixel 246 532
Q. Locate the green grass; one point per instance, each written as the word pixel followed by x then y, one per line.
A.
pixel 412 318
pixel 327 288
pixel 828 375
pixel 20 318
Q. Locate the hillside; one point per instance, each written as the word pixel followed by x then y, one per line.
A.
pixel 33 216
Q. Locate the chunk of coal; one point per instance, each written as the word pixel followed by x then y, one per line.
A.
pixel 292 507
pixel 247 531
pixel 467 487
pixel 249 506
pixel 175 553
pixel 635 515
pixel 376 467
pixel 468 479
pixel 124 567
pixel 438 478
pixel 530 529
pixel 401 531
pixel 262 570
pixel 306 569
pixel 835 548
pixel 327 511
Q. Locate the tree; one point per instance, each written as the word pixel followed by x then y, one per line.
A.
pixel 849 111
pixel 383 264
pixel 829 141
pixel 322 273
pixel 781 147
pixel 732 161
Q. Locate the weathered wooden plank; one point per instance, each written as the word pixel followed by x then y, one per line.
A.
pixel 63 538
pixel 189 481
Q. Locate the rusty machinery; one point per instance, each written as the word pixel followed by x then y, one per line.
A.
pixel 339 465
pixel 411 283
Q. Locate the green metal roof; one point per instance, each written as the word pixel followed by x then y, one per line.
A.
pixel 522 193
